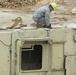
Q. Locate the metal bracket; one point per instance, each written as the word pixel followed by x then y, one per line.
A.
pixel 16 22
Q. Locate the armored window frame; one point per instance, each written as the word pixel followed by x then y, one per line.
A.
pixel 36 56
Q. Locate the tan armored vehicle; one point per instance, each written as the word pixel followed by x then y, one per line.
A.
pixel 38 51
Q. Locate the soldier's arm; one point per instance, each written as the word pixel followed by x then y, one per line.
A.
pixel 47 18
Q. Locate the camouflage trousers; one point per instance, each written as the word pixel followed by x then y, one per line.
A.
pixel 40 21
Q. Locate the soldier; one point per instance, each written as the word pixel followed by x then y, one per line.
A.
pixel 42 15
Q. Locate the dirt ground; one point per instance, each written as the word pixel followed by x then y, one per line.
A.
pixel 62 16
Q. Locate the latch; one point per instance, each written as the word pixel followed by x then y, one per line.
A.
pixel 74 37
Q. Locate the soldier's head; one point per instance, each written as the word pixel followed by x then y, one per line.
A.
pixel 52 6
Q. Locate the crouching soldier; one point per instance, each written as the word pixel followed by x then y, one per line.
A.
pixel 42 15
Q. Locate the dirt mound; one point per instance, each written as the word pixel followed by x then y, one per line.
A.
pixel 17 4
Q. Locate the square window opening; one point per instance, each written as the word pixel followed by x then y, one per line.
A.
pixel 31 57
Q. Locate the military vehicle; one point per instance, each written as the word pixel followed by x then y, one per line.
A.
pixel 42 51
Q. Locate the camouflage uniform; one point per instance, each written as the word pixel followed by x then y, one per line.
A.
pixel 42 16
